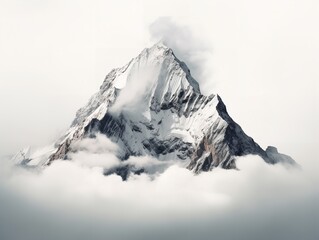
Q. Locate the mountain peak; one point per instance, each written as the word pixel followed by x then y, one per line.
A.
pixel 153 106
pixel 155 69
pixel 160 45
pixel 158 49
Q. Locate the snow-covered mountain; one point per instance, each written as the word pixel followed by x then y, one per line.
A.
pixel 153 106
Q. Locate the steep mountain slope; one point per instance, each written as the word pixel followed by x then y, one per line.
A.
pixel 153 106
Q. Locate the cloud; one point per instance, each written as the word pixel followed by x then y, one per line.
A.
pixel 75 201
pixel 95 152
pixel 138 79
pixel 150 164
pixel 194 51
pixel 101 153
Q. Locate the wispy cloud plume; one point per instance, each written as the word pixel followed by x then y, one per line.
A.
pixel 186 45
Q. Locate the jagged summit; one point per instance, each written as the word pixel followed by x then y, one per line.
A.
pixel 153 106
pixel 156 71
pixel 160 54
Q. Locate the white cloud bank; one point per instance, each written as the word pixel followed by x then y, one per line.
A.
pixel 72 200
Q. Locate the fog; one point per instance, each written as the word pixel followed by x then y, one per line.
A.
pixel 71 200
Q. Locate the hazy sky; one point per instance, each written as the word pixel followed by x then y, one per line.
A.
pixel 261 57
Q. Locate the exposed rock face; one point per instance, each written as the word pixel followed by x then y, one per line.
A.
pixel 153 106
pixel 275 156
pixel 214 150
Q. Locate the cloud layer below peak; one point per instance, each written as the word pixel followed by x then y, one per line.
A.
pixel 74 200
